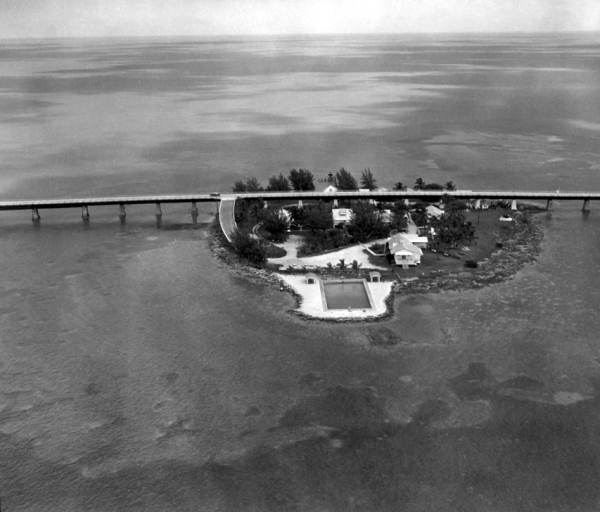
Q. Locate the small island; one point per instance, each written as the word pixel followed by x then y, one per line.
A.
pixel 346 259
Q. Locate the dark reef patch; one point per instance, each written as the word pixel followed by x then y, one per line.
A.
pixel 340 407
pixel 476 383
pixel 529 456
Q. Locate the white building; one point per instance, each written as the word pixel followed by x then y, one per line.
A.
pixel 286 215
pixel 434 211
pixel 414 238
pixel 405 252
pixel 341 216
pixel 386 216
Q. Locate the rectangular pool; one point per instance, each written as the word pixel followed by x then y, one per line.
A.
pixel 346 294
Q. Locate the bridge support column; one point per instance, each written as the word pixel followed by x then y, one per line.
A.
pixel 194 212
pixel 265 204
pixel 478 204
pixel 549 204
pixel 122 213
pixel 85 214
pixel 35 216
pixel 158 212
pixel 586 205
pixel 513 204
pixel 335 203
pixel 300 203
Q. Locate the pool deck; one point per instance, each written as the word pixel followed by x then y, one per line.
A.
pixel 312 301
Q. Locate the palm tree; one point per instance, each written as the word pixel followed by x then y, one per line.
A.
pixel 367 180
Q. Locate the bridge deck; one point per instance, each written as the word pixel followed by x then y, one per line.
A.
pixel 27 204
pixel 216 197
pixel 424 194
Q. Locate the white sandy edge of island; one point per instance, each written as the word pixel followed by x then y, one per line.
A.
pixel 312 302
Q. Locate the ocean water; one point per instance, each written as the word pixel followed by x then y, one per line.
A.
pixel 137 372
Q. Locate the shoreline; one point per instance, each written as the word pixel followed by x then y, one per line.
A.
pixel 521 247
pixel 518 249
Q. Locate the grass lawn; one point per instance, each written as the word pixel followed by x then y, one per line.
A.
pixel 488 231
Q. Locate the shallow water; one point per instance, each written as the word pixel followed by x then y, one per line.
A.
pixel 138 373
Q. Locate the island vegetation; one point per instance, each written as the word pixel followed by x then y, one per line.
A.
pixel 461 239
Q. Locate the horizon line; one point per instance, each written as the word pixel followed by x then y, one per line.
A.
pixel 300 34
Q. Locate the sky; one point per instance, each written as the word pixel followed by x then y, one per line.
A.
pixel 100 18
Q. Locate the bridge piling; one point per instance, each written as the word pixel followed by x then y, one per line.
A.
pixel 300 204
pixel 122 213
pixel 194 212
pixel 549 204
pixel 158 215
pixel 85 214
pixel 35 216
pixel 586 205
pixel 513 205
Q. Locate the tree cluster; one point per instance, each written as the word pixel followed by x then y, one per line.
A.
pixel 298 179
pixel 421 185
pixel 274 223
pixel 344 180
pixel 452 228
pixel 399 212
pixel 366 223
pixel 313 217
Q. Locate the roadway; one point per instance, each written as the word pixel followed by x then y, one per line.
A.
pixel 227 216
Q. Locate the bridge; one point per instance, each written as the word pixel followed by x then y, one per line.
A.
pixel 227 201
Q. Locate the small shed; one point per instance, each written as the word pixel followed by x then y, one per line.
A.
pixel 341 216
pixel 311 278
pixel 375 277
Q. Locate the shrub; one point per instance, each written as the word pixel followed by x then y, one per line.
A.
pixel 273 251
pixel 323 240
pixel 249 248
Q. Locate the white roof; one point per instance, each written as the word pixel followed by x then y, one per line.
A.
pixel 330 188
pixel 399 244
pixel 341 214
pixel 434 211
pixel 414 238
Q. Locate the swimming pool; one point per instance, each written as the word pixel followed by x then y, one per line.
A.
pixel 346 294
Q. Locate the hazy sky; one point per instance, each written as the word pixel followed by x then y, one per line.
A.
pixel 42 18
